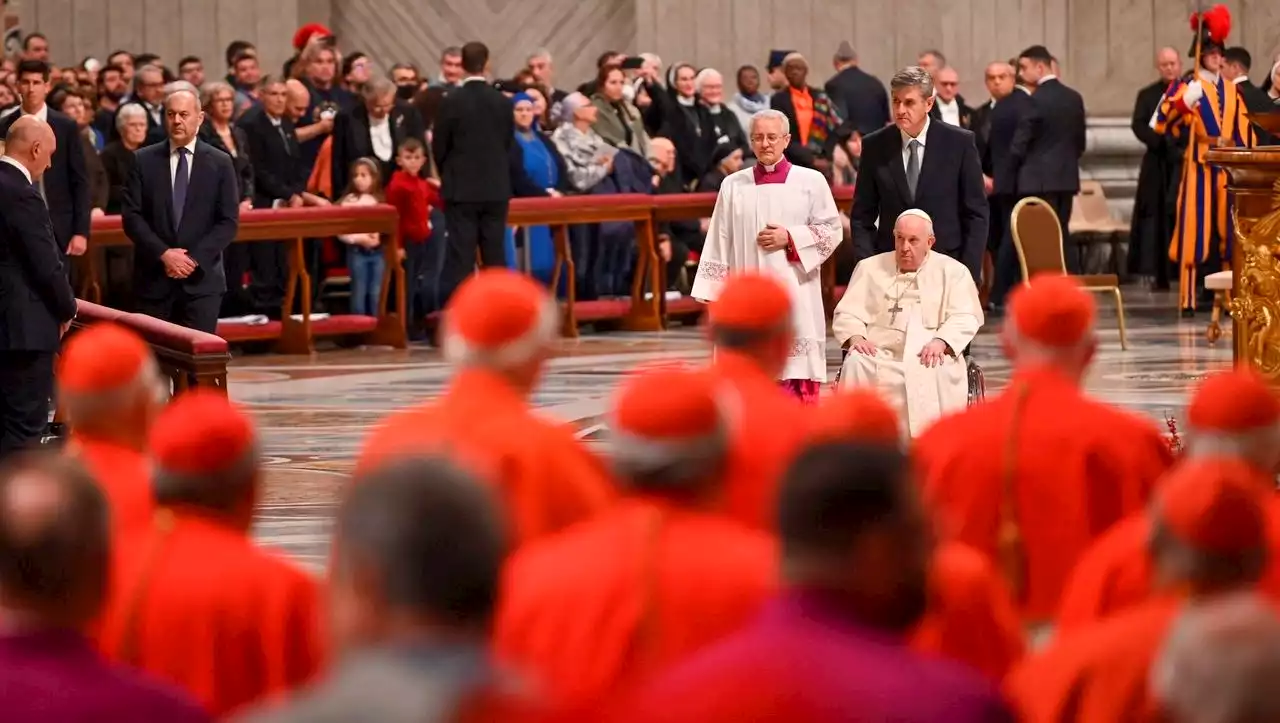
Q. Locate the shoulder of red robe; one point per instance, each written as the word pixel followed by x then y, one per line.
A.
pixel 1238 400
pixel 101 358
pixel 858 415
pixel 1217 505
pixel 751 302
pixel 1052 310
pixel 201 432
pixel 498 315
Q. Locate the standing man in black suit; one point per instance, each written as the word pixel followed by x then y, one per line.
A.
pixel 36 302
pixel 1050 141
pixel 858 96
pixel 1005 118
pixel 65 186
pixel 148 92
pixel 181 209
pixel 1236 65
pixel 1156 200
pixel 472 141
pixel 924 164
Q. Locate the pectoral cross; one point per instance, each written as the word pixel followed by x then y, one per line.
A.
pixel 893 312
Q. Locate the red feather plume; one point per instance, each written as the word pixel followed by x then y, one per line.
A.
pixel 1217 20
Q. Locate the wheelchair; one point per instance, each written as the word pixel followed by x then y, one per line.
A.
pixel 977 380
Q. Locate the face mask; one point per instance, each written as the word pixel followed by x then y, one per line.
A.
pixel 406 92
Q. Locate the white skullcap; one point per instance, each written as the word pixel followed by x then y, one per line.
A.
pixel 914 212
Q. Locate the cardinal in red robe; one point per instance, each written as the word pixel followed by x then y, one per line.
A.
pixel 499 331
pixel 194 600
pixel 1232 414
pixel 109 387
pixel 1033 476
pixel 1210 539
pixel 598 607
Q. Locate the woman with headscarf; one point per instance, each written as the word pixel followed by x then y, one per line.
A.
pixel 543 169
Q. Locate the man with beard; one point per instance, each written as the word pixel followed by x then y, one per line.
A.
pixel 831 645
pixel 1154 202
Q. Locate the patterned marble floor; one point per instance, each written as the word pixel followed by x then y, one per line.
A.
pixel 313 412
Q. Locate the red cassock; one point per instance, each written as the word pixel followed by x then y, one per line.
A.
pixel 198 603
pixel 971 618
pixel 547 479
pixel 1032 477
pixel 124 476
pixel 1097 674
pixel 606 603
pixel 770 427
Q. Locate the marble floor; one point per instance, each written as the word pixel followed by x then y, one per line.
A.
pixel 313 412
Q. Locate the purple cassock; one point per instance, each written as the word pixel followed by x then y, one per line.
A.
pixel 819 665
pixel 55 676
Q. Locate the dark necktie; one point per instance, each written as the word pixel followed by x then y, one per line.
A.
pixel 284 137
pixel 180 180
pixel 913 166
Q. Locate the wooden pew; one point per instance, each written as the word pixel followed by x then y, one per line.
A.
pixel 291 226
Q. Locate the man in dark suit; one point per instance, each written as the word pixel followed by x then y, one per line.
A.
pixel 471 143
pixel 36 302
pixel 373 129
pixel 1005 118
pixel 999 77
pixel 949 107
pixel 924 164
pixel 148 92
pixel 1156 199
pixel 181 210
pixel 1050 141
pixel 1236 64
pixel 858 96
pixel 65 186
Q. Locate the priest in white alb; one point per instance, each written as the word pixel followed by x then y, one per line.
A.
pixel 905 319
pixel 780 219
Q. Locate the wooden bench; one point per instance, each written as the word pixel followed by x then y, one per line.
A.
pixel 291 227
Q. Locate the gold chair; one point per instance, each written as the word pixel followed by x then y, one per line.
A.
pixel 1037 236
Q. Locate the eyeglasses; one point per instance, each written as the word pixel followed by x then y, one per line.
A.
pixel 770 139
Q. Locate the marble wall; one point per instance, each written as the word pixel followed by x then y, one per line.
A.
pixel 1106 46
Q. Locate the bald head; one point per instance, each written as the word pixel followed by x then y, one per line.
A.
pixel 53 539
pixel 299 99
pixel 31 142
pixel 1169 64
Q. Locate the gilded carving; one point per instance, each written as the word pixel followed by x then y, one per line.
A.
pixel 1256 306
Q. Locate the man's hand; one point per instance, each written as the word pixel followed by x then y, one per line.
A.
pixel 861 345
pixel 773 238
pixel 933 353
pixel 63 328
pixel 295 201
pixel 177 264
pixel 77 246
pixel 246 205
pixel 988 184
pixel 664 248
pixel 553 193
pixel 607 162
pixel 96 212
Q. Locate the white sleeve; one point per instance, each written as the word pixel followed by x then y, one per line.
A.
pixel 717 251
pixel 853 313
pixel 817 239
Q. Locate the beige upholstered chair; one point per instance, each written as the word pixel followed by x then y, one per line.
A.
pixel 1220 284
pixel 1037 236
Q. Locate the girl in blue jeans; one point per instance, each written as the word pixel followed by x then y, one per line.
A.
pixel 364 252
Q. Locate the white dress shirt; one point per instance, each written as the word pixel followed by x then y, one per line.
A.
pixel 950 112
pixel 470 78
pixel 380 136
pixel 1240 80
pixel 173 160
pixel 906 144
pixel 19 166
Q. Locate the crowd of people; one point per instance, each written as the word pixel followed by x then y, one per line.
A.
pixel 733 554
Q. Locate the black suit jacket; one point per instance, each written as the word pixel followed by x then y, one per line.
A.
pixel 966 113
pixel 351 140
pixel 949 190
pixel 210 219
pixel 1050 141
pixel 241 159
pixel 35 296
pixel 279 171
pixel 980 124
pixel 66 182
pixel 860 99
pixel 471 143
pixel 1005 118
pixel 1257 101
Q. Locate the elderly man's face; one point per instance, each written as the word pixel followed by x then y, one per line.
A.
pixel 540 66
pixel 380 106
pixel 712 89
pixel 768 140
pixel 664 155
pixel 1169 63
pixel 999 78
pixel 912 239
pixel 910 108
pixel 451 68
pixel 183 117
pixel 796 71
pixel 948 84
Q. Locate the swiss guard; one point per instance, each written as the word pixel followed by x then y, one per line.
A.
pixel 1206 111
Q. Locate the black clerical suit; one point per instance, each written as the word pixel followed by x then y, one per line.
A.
pixel 998 157
pixel 159 214
pixel 1257 101
pixel 1047 148
pixel 860 99
pixel 352 140
pixel 35 300
pixel 471 143
pixel 66 182
pixel 949 189
pixel 1156 200
pixel 279 173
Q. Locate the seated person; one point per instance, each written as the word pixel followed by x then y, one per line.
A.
pixel 726 161
pixel 906 319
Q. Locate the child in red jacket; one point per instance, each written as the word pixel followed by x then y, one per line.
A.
pixel 414 196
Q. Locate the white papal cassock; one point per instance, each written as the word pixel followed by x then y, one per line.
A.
pixel 800 200
pixel 900 313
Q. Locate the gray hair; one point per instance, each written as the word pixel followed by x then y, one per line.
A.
pixel 1220 662
pixel 377 87
pixel 539 53
pixel 703 76
pixel 913 76
pixel 220 491
pixel 145 70
pixel 769 114
pixel 210 90
pixel 128 112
